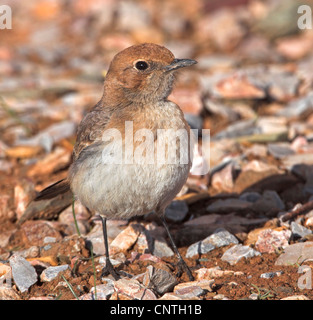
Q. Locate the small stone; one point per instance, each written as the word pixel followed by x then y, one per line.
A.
pixel 49 136
pixel 238 129
pixel 257 166
pixel 189 292
pixel 269 275
pixel 5 212
pixel 5 236
pixel 149 257
pixel 47 247
pixel 248 179
pixel 215 272
pixel 115 227
pixel 161 249
pixel 194 121
pixel 189 100
pixel 254 296
pixel 238 87
pixel 126 239
pixel 7 293
pixel 296 297
pixel 52 272
pixel 24 192
pixel 219 238
pixel 308 222
pixel 3 148
pixel 95 236
pixel 133 289
pixel 39 264
pixel 272 125
pixel 202 220
pixel 49 240
pixel 237 252
pixel 220 109
pixel 253 235
pixel 231 30
pixel 223 180
pixel 34 232
pixel 104 291
pixel 292 160
pixel 294 48
pixel 42 298
pixel 298 144
pixel 170 296
pixel 199 247
pixel 115 262
pixel 4 269
pixel 257 150
pixel 298 107
pixel 299 231
pixel 45 261
pixel 268 203
pixel 220 297
pixel 250 196
pixel 280 150
pixel 23 152
pixel 228 205
pixel 151 241
pixel 269 240
pixel 296 253
pixel 204 284
pixel 24 274
pixel 159 280
pixel 31 252
pixel 82 216
pixel 176 211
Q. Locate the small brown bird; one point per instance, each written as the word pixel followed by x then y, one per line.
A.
pixel 112 174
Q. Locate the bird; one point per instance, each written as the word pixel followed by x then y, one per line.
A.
pixel 120 166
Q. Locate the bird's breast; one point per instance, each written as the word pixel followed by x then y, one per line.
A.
pixel 137 169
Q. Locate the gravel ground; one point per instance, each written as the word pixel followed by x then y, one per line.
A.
pixel 244 227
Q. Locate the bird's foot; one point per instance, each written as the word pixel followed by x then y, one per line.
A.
pixel 109 269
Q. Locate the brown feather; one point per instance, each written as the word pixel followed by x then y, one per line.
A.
pixel 52 191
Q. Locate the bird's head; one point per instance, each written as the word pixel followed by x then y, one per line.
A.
pixel 143 73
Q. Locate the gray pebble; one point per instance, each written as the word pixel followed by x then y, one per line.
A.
pixel 250 196
pixel 52 272
pixel 269 275
pixel 219 238
pixel 298 230
pixel 159 280
pixel 199 247
pixel 176 211
pixel 24 274
pixel 237 252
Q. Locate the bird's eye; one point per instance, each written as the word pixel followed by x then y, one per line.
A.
pixel 141 65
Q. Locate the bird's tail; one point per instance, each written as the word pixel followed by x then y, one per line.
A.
pixel 54 190
pixel 49 202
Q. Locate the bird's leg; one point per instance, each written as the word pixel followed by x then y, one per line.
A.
pixel 181 263
pixel 108 269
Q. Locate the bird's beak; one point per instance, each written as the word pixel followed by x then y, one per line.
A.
pixel 179 63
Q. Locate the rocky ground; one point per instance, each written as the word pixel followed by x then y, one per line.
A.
pixel 245 228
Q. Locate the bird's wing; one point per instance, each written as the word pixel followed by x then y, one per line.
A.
pixel 91 128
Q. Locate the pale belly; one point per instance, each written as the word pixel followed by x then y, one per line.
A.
pixel 125 190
